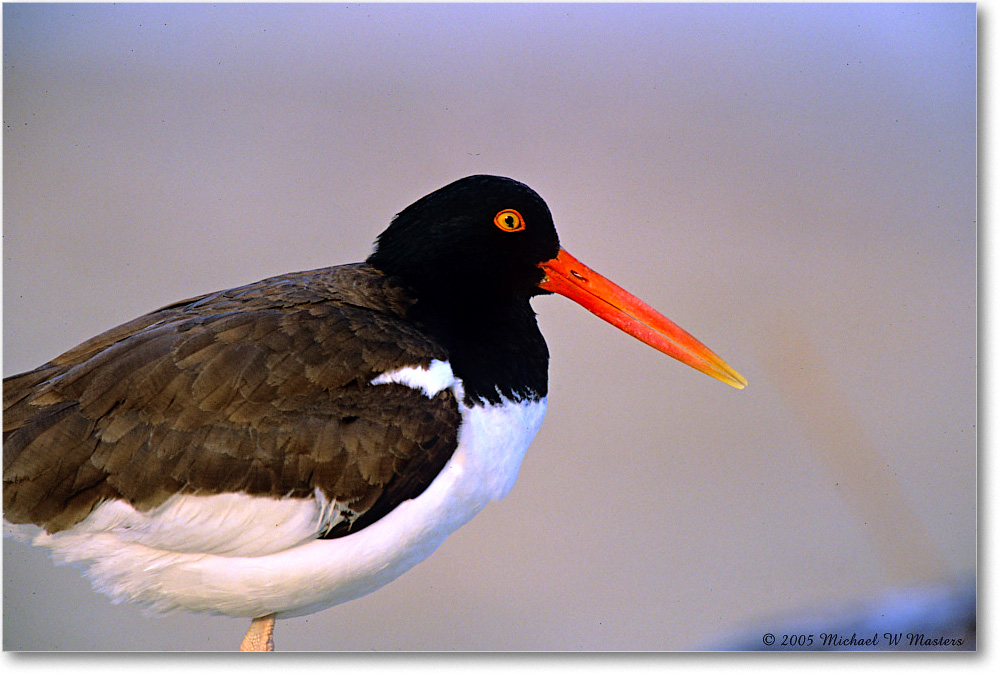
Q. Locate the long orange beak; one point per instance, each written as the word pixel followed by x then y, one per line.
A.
pixel 567 276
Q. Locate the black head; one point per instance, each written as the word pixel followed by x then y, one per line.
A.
pixel 474 253
pixel 481 234
pixel 470 252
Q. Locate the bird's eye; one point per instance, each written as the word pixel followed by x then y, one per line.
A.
pixel 509 220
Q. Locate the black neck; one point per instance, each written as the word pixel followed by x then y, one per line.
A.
pixel 494 346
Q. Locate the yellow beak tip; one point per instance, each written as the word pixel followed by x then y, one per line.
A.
pixel 738 381
pixel 730 377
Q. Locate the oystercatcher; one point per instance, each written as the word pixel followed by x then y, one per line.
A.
pixel 282 447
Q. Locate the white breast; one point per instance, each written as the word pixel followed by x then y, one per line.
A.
pixel 252 556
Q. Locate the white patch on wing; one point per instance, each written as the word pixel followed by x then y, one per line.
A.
pixel 243 556
pixel 430 380
pixel 231 524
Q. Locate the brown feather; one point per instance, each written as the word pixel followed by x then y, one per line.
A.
pixel 264 389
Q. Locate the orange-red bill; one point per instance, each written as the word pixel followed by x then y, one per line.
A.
pixel 569 277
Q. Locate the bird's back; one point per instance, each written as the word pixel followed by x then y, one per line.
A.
pixel 264 390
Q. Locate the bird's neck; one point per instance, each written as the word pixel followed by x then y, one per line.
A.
pixel 494 346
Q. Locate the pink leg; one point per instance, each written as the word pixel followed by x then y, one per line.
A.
pixel 260 637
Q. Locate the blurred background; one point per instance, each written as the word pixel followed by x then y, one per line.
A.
pixel 794 184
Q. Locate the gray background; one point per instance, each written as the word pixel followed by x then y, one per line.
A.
pixel 795 185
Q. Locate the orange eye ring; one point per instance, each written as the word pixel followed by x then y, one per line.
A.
pixel 509 220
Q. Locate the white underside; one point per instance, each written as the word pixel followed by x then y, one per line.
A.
pixel 252 556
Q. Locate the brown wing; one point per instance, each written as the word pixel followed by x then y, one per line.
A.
pixel 263 389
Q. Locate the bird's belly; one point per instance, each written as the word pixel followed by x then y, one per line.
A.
pixel 309 574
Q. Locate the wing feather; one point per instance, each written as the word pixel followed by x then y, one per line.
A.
pixel 263 390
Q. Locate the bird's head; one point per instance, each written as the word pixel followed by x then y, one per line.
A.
pixel 483 235
pixel 493 238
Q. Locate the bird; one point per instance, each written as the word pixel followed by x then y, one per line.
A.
pixel 282 447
